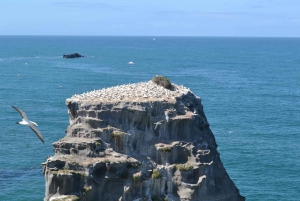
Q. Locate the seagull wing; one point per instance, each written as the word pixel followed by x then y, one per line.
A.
pixel 37 132
pixel 23 114
pixel 157 123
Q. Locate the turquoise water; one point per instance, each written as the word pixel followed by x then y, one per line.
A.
pixel 249 89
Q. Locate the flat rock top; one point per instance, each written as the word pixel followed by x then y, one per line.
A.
pixel 140 92
pixel 76 140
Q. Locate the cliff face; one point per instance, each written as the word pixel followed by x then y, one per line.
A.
pixel 137 142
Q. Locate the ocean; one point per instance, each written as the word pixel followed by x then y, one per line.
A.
pixel 249 89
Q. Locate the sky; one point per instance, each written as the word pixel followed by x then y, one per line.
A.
pixel 241 18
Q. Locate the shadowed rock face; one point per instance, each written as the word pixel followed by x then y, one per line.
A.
pixel 113 150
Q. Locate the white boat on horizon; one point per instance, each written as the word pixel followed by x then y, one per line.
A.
pixel 130 62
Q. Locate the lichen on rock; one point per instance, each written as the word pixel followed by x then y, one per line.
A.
pixel 137 142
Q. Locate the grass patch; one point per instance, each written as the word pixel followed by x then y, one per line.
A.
pixel 167 149
pixel 155 174
pixel 117 134
pixel 162 81
pixel 84 191
pixel 97 144
pixel 184 167
pixel 136 178
pixel 67 171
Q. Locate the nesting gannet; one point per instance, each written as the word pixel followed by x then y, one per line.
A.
pixel 26 122
pixel 158 123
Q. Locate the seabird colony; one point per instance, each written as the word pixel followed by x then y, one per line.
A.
pixel 141 90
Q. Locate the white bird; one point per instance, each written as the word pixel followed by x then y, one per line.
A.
pixel 167 116
pixel 26 122
pixel 158 123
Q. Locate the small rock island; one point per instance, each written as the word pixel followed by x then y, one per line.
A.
pixel 74 55
pixel 137 142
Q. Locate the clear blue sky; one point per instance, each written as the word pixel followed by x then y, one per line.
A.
pixel 275 18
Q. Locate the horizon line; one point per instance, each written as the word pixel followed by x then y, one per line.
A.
pixel 153 36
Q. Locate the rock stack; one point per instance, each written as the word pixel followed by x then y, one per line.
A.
pixel 74 55
pixel 137 142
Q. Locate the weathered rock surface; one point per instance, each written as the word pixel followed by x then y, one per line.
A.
pixel 114 149
pixel 74 55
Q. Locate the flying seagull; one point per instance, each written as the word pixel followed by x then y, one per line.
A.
pixel 158 123
pixel 26 122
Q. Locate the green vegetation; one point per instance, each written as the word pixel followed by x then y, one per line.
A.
pixel 117 134
pixel 97 144
pixel 155 174
pixel 137 177
pixel 184 167
pixel 67 171
pixel 107 161
pixel 84 191
pixel 167 149
pixel 162 81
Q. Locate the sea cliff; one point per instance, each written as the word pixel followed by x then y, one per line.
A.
pixel 138 142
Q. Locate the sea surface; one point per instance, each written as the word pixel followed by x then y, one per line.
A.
pixel 250 90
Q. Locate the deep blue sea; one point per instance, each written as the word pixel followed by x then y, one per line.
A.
pixel 250 90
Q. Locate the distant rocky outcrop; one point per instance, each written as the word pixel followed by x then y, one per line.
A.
pixel 74 55
pixel 137 142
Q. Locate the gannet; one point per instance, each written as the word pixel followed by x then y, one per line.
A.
pixel 26 122
pixel 158 123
